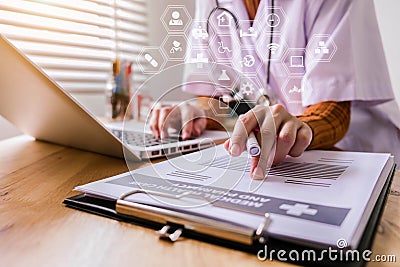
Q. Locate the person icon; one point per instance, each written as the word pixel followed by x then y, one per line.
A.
pixel 175 20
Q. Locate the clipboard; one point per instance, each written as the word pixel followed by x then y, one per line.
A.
pixel 171 225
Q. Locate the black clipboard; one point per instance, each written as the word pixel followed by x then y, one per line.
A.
pixel 108 208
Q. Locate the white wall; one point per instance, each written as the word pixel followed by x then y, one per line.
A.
pixel 388 18
pixel 7 129
pixel 387 12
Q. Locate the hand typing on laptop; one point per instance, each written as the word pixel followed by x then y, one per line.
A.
pixel 185 119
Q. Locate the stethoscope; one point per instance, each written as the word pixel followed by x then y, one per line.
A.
pixel 236 22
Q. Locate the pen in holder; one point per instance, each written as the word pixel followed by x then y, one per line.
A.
pixel 119 91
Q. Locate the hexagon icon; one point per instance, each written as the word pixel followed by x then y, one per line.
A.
pixel 223 109
pixel 175 47
pixel 249 61
pixel 151 60
pixel 223 46
pixel 295 61
pixel 249 33
pixel 276 19
pixel 223 74
pixel 223 21
pixel 250 88
pixel 321 47
pixel 198 33
pixel 176 18
pixel 292 89
pixel 277 48
pixel 200 59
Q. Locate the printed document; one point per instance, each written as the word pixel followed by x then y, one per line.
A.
pixel 316 199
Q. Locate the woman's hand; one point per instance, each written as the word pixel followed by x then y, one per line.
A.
pixel 185 118
pixel 269 123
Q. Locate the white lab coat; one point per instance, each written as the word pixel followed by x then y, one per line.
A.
pixel 357 70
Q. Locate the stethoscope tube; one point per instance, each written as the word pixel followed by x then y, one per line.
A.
pixel 271 40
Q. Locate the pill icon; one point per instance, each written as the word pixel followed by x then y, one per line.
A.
pixel 151 60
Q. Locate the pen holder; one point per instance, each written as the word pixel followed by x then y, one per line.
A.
pixel 118 92
pixel 119 103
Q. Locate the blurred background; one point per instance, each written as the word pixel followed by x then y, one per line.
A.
pixel 76 42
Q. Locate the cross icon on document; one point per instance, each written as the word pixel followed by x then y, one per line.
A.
pixel 298 209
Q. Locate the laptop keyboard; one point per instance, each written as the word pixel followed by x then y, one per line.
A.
pixel 143 139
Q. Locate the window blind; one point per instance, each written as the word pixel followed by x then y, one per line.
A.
pixel 76 41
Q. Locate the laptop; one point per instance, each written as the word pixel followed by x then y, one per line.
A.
pixel 39 107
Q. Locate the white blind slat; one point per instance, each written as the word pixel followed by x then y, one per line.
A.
pixel 64 14
pixel 76 41
pixel 37 36
pixel 54 25
pixel 83 6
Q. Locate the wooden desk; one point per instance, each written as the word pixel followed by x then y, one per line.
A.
pixel 37 230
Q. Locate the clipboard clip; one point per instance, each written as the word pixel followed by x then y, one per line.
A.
pixel 164 234
pixel 175 222
pixel 262 227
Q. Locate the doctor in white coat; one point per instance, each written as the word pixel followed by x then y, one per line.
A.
pixel 305 52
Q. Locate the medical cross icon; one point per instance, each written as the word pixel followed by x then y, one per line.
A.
pixel 298 209
pixel 224 19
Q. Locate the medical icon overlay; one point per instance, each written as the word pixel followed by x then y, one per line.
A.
pixel 223 21
pixel 276 19
pixel 176 18
pixel 321 47
pixel 271 49
pixel 295 61
pixel 249 61
pixel 224 46
pixel 224 74
pixel 175 47
pixel 151 60
pixel 292 89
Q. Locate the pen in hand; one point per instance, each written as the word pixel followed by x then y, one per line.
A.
pixel 243 138
pixel 253 148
